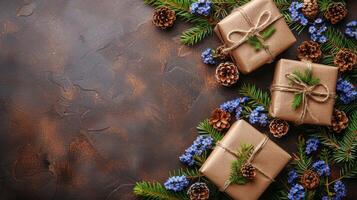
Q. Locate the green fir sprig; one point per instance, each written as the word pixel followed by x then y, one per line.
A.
pixel 205 128
pixel 257 43
pixel 156 191
pixel 243 154
pixel 257 97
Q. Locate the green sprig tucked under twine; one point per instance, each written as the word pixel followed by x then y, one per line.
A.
pixel 308 79
pixel 243 154
pixel 258 43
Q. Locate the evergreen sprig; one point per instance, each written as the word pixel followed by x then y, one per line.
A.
pixel 205 128
pixel 301 161
pixel 256 96
pixel 156 191
pixel 236 176
pixel 257 43
pixel 197 33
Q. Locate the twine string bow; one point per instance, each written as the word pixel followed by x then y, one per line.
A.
pixel 255 152
pixel 307 92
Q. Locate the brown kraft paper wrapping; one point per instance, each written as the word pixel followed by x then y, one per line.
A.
pixel 281 101
pixel 271 160
pixel 245 56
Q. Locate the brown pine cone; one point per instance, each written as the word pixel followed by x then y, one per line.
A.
pixel 278 128
pixel 220 119
pixel 309 50
pixel 198 191
pixel 310 179
pixel 227 74
pixel 336 12
pixel 220 54
pixel 248 171
pixel 310 8
pixel 345 60
pixel 164 17
pixel 339 121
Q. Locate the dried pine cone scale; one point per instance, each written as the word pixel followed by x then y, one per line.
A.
pixel 164 17
pixel 310 51
pixel 339 121
pixel 310 180
pixel 345 60
pixel 248 171
pixel 198 191
pixel 221 54
pixel 220 119
pixel 310 8
pixel 227 74
pixel 278 127
pixel 336 12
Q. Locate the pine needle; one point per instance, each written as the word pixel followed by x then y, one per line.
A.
pixel 205 128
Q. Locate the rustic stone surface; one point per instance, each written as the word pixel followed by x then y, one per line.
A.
pixel 93 96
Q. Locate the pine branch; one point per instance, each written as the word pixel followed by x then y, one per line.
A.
pixel 205 128
pixel 324 136
pixel 196 34
pixel 236 176
pixel 155 191
pixel 189 173
pixel 302 162
pixel 349 170
pixel 336 41
pixel 256 96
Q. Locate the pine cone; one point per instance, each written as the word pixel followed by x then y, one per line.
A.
pixel 310 8
pixel 227 74
pixel 220 119
pixel 345 60
pixel 164 17
pixel 310 179
pixel 248 171
pixel 278 128
pixel 198 191
pixel 339 121
pixel 309 50
pixel 220 54
pixel 335 12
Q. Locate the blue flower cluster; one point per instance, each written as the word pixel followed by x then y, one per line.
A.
pixel 351 29
pixel 201 7
pixel 208 56
pixel 321 168
pixel 257 116
pixel 296 14
pixel 340 190
pixel 311 145
pixel 292 176
pixel 316 31
pixel 201 144
pixel 176 183
pixel 234 106
pixel 297 192
pixel 346 91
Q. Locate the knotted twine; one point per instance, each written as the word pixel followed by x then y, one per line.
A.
pixel 308 92
pixel 249 161
pixel 253 31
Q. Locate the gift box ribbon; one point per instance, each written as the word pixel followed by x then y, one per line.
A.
pixel 308 93
pixel 253 31
pixel 250 159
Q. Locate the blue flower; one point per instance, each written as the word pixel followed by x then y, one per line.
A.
pixel 292 176
pixel 295 13
pixel 311 145
pixel 321 168
pixel 340 189
pixel 201 144
pixel 347 93
pixel 234 106
pixel 208 56
pixel 351 29
pixel 317 30
pixel 201 7
pixel 297 192
pixel 325 198
pixel 176 183
pixel 257 116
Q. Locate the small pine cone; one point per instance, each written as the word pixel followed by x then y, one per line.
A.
pixel 227 74
pixel 309 50
pixel 248 171
pixel 310 180
pixel 339 121
pixel 336 12
pixel 221 54
pixel 164 17
pixel 220 119
pixel 278 128
pixel 345 60
pixel 310 8
pixel 198 191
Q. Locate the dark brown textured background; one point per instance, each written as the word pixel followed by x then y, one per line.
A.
pixel 93 96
